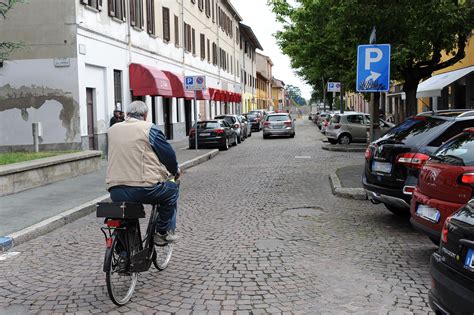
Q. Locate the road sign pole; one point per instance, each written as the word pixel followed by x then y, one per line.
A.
pixel 195 120
pixel 342 101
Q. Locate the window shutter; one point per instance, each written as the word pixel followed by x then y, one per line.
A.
pixel 99 5
pixel 132 13
pixel 84 2
pixel 166 24
pixel 193 41
pixel 140 14
pixel 176 30
pixel 111 4
pixel 123 14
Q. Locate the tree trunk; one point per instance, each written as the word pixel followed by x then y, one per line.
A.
pixel 411 103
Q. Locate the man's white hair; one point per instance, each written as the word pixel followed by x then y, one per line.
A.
pixel 137 108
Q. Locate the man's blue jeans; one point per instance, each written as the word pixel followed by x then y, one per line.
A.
pixel 163 194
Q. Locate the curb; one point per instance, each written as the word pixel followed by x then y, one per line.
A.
pixel 200 159
pixel 75 213
pixel 343 148
pixel 350 193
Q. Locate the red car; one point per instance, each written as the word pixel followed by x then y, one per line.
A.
pixel 445 184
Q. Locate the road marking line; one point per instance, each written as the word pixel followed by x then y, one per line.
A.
pixel 302 157
pixel 8 255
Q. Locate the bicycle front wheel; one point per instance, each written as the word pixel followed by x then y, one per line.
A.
pixel 120 281
pixel 162 256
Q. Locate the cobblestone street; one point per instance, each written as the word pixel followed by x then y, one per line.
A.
pixel 260 232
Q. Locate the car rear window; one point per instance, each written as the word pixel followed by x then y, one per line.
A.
pixel 335 119
pixel 458 151
pixel 251 116
pixel 415 131
pixel 208 125
pixel 278 118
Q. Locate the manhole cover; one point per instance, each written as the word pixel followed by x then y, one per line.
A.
pixel 268 244
pixel 304 212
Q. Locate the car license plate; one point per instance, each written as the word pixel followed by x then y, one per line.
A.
pixel 428 213
pixel 469 259
pixel 381 167
pixel 204 134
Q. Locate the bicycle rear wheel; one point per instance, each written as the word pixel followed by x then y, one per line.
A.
pixel 162 256
pixel 120 281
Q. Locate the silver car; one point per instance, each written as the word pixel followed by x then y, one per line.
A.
pixel 278 124
pixel 351 127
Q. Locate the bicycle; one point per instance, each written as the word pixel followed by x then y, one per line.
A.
pixel 127 254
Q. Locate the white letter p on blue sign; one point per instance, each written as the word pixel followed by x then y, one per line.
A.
pixel 373 68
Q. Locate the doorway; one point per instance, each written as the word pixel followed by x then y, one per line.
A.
pixel 188 115
pixel 167 118
pixel 90 118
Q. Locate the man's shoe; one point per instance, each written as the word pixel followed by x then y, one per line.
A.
pixel 163 239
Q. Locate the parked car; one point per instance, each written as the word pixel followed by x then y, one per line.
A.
pixel 254 121
pixel 280 124
pixel 325 123
pixel 321 118
pixel 257 122
pixel 445 184
pixel 236 124
pixel 352 127
pixel 213 133
pixel 247 125
pixel 452 266
pixel 393 162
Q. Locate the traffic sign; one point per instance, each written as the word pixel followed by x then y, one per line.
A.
pixel 373 68
pixel 195 83
pixel 334 87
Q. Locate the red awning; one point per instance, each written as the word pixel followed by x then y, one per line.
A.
pixel 214 93
pixel 177 85
pixel 146 80
pixel 203 95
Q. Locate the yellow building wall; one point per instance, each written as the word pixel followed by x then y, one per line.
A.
pixel 468 61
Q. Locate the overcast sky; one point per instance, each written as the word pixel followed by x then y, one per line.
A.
pixel 257 15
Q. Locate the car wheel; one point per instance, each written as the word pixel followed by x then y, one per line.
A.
pixel 345 139
pixel 332 141
pixel 402 212
pixel 225 147
pixel 292 135
pixel 192 146
pixel 239 139
pixel 250 134
pixel 235 141
pixel 266 136
pixel 435 240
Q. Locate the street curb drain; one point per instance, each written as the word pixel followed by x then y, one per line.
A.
pixel 350 193
pixel 75 213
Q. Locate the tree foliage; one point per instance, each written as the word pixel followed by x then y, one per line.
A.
pixel 294 94
pixel 7 47
pixel 321 37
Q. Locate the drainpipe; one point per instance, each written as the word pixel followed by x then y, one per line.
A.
pixel 183 59
pixel 129 32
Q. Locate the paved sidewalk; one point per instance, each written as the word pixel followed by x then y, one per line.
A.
pixel 351 176
pixel 24 209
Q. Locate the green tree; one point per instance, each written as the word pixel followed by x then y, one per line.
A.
pixel 7 47
pixel 294 94
pixel 321 37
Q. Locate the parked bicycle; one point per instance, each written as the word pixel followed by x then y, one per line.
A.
pixel 127 254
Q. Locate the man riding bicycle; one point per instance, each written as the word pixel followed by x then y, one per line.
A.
pixel 140 163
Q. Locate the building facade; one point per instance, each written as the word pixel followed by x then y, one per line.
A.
pixel 264 82
pixel 84 58
pixel 278 94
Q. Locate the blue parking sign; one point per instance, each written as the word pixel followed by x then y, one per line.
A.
pixel 373 68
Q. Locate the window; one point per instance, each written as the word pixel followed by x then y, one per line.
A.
pixel 150 16
pixel 208 8
pixel 213 12
pixel 208 50
pixel 193 41
pixel 96 4
pixel 117 9
pixel 214 54
pixel 118 89
pixel 203 47
pixel 201 5
pixel 237 35
pixel 193 1
pixel 166 24
pixel 176 30
pixel 187 37
pixel 136 13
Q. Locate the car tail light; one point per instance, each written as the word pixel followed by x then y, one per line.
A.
pixel 337 126
pixel 444 232
pixel 470 130
pixel 467 179
pixel 408 190
pixel 287 123
pixel 266 123
pixel 219 131
pixel 368 153
pixel 113 223
pixel 412 160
